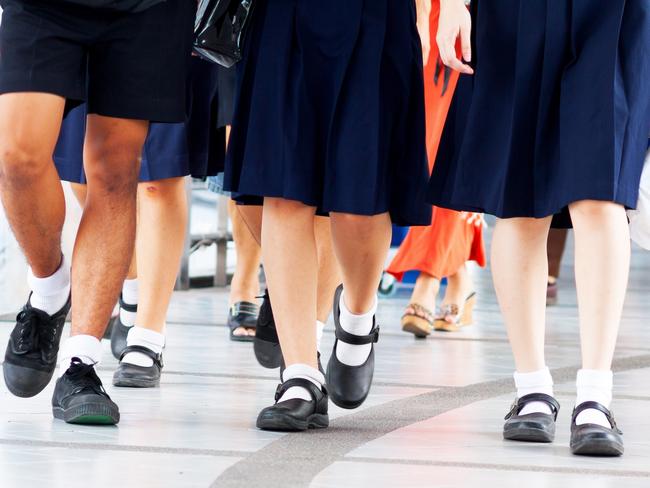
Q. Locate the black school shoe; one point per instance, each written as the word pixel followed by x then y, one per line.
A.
pixel 80 398
pixel 532 427
pixel 594 439
pixel 266 343
pixel 349 386
pixel 119 331
pixel 296 415
pixel 30 359
pixel 134 376
pixel 242 315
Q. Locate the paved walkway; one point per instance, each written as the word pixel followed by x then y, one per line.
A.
pixel 433 419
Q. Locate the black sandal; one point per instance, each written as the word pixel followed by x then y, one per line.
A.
pixel 266 343
pixel 349 386
pixel 133 376
pixel 532 427
pixel 119 331
pixel 242 315
pixel 296 415
pixel 594 439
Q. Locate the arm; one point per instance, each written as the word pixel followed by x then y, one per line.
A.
pixel 423 8
pixel 455 21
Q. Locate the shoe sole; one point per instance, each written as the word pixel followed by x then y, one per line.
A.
pixel 286 423
pixel 419 327
pixel 135 383
pixel 529 435
pixel 45 380
pixel 597 447
pixel 268 354
pixel 236 338
pixel 88 414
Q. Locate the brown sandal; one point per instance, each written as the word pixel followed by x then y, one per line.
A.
pixel 462 316
pixel 417 320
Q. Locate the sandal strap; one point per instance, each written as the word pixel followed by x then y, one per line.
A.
pixel 419 311
pixel 244 308
pixel 595 406
pixel 352 339
pixel 127 306
pixel 315 392
pixel 156 358
pixel 520 403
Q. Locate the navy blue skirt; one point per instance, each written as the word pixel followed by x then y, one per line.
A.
pixel 195 147
pixel 330 108
pixel 558 110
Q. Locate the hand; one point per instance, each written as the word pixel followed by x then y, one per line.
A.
pixel 455 21
pixel 423 21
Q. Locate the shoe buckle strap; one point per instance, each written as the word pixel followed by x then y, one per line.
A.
pixel 596 406
pixel 156 358
pixel 520 403
pixel 127 307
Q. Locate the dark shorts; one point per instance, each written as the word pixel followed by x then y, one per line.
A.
pixel 124 65
pixel 195 147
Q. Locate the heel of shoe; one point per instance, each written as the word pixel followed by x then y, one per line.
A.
pixel 467 318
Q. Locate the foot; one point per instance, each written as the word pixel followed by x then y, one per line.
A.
pixel 349 386
pixel 532 427
pixel 30 359
pixel 452 317
pixel 418 320
pixel 119 331
pixel 296 414
pixel 80 398
pixel 134 376
pixel 266 343
pixel 242 320
pixel 594 439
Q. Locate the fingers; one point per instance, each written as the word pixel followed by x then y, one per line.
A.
pixel 447 47
pixel 466 41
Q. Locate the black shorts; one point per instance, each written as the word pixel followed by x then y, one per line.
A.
pixel 123 64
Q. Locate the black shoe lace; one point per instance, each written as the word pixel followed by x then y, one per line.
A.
pixel 84 377
pixel 36 331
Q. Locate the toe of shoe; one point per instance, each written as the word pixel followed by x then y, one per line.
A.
pixel 25 382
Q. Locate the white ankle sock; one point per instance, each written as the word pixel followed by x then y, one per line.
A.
pixel 50 294
pixel 536 382
pixel 139 336
pixel 130 297
pixel 320 327
pixel 596 386
pixel 85 347
pixel 301 371
pixel 349 354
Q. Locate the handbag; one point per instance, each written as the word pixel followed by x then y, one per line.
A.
pixel 640 217
pixel 219 30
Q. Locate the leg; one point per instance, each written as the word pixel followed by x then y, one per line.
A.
pixel 425 291
pixel 329 276
pixel 419 316
pixel 252 217
pixel 111 154
pixel 245 282
pixel 555 248
pixel 458 304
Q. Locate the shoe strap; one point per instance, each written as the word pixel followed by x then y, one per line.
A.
pixel 127 307
pixel 352 339
pixel 315 392
pixel 156 358
pixel 520 403
pixel 595 406
pixel 244 308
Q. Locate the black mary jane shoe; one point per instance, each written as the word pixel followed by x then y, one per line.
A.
pixel 119 331
pixel 296 415
pixel 266 343
pixel 349 385
pixel 133 376
pixel 532 427
pixel 242 315
pixel 594 439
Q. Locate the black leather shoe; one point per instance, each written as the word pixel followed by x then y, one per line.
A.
pixel 266 343
pixel 296 415
pixel 79 397
pixel 30 359
pixel 349 386
pixel 594 439
pixel 120 331
pixel 242 315
pixel 133 376
pixel 532 427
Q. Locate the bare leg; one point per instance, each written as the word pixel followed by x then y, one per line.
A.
pixel 329 276
pixel 30 188
pixel 425 291
pixel 520 269
pixel 556 244
pixel 252 218
pixel 162 209
pixel 291 265
pixel 602 262
pixel 459 286
pixel 106 235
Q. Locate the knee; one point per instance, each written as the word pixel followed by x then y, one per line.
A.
pixel 288 207
pixel 21 164
pixel 596 213
pixel 169 190
pixel 113 168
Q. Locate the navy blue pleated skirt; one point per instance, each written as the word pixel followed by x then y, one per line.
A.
pixel 330 108
pixel 558 110
pixel 195 147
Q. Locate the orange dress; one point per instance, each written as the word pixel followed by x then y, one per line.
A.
pixel 453 238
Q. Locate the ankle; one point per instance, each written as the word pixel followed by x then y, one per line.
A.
pixel 303 371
